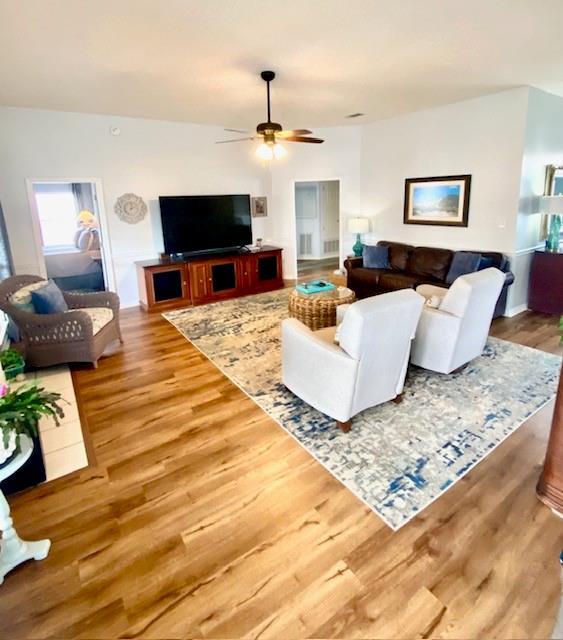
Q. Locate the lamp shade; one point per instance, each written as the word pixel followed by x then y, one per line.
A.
pixel 552 204
pixel 358 225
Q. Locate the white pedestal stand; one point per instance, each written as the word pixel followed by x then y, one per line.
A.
pixel 14 550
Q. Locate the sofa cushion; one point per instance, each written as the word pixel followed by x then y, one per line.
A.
pixel 485 262
pixel 22 297
pixel 49 299
pixel 375 257
pixel 430 262
pixel 398 254
pixel 463 262
pixel 393 280
pixel 366 276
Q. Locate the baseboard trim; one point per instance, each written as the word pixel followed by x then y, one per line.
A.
pixel 510 313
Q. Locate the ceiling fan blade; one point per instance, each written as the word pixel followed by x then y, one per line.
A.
pixel 295 132
pixel 303 139
pixel 235 140
pixel 237 130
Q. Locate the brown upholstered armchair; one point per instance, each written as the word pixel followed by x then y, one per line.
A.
pixel 80 334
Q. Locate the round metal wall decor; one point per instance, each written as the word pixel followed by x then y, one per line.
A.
pixel 130 208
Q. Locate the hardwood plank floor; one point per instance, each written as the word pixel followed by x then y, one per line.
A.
pixel 203 519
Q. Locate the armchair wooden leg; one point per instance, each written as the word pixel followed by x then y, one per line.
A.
pixel 344 426
pixel 398 399
pixel 459 369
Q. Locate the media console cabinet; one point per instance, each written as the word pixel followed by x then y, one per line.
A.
pixel 165 284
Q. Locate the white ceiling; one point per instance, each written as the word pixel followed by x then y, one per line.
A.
pixel 199 60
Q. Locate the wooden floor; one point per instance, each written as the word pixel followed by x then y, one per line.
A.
pixel 203 519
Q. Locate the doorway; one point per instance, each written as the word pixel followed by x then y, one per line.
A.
pixel 317 224
pixel 71 239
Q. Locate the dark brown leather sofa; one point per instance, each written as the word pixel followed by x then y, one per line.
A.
pixel 411 266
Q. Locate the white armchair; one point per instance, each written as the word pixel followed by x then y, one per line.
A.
pixel 455 332
pixel 366 368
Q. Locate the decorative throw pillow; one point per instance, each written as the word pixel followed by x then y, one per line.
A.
pixel 462 263
pixel 375 257
pixel 49 299
pixel 22 297
pixel 485 263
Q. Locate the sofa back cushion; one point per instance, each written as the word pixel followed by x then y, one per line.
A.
pixel 430 262
pixel 22 297
pixel 398 254
pixel 375 257
pixel 463 262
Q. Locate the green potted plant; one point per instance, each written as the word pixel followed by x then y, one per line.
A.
pixel 12 363
pixel 20 411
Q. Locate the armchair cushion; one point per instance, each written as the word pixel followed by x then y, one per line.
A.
pixel 100 316
pixel 49 299
pixel 21 299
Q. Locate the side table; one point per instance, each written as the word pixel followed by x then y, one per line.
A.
pixel 546 283
pixel 14 550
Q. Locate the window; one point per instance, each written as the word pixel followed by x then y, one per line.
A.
pixel 56 207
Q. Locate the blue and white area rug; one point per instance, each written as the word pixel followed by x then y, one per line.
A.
pixel 397 458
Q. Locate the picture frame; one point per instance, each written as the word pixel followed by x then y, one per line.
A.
pixel 259 207
pixel 441 201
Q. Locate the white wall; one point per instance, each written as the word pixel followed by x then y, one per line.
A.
pixel 503 140
pixel 338 158
pixel 483 137
pixel 149 158
pixel 543 145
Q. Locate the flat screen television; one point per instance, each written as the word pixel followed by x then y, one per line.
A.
pixel 198 224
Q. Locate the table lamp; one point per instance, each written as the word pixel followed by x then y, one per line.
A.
pixel 358 226
pixel 553 207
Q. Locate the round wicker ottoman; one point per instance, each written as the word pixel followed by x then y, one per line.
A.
pixel 318 310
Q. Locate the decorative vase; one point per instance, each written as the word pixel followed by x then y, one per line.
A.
pixel 358 247
pixel 7 453
pixel 552 240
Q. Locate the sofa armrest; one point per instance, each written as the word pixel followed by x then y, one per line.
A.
pixel 508 278
pixel 353 263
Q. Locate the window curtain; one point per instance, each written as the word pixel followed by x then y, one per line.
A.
pixel 6 264
pixel 83 195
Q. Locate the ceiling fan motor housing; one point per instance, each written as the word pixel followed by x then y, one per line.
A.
pixel 268 127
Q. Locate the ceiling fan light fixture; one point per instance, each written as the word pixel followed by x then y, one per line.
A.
pixel 279 151
pixel 265 152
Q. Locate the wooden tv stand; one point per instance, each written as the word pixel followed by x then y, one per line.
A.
pixel 165 284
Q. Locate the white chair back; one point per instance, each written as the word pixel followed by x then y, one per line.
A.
pixel 377 332
pixel 473 298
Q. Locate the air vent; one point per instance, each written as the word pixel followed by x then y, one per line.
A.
pixel 355 115
pixel 305 244
pixel 331 246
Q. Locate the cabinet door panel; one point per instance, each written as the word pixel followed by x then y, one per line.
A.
pixel 199 280
pixel 224 278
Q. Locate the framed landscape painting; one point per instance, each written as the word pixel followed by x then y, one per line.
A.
pixel 441 201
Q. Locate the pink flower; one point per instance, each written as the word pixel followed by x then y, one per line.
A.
pixel 4 389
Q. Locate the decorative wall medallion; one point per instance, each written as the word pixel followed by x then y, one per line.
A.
pixel 130 208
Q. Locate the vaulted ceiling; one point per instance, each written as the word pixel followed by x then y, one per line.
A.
pixel 199 60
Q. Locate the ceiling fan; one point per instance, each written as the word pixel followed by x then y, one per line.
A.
pixel 270 132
